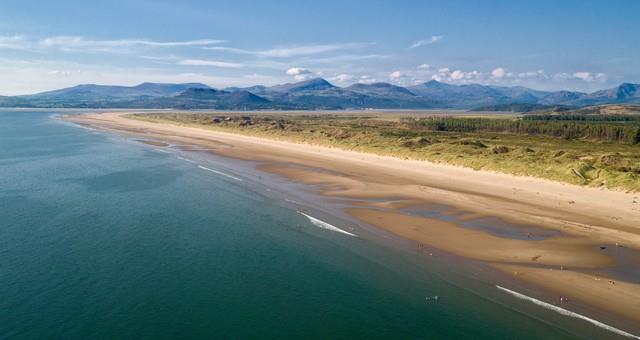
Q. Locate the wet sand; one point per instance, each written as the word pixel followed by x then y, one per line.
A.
pixel 559 250
pixel 153 142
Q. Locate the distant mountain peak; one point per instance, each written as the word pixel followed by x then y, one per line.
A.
pixel 380 89
pixel 200 90
pixel 167 87
pixel 253 89
pixel 626 90
pixel 378 84
pixel 436 83
pixel 318 93
pixel 191 85
pixel 236 97
pixel 314 84
pixel 245 97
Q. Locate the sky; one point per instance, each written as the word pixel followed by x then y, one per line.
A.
pixel 547 45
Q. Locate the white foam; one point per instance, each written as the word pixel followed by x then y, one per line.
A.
pixel 160 150
pixel 219 173
pixel 325 225
pixel 185 159
pixel 568 313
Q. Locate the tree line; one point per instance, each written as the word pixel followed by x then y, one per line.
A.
pixel 587 118
pixel 569 129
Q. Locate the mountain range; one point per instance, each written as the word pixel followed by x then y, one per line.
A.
pixel 318 93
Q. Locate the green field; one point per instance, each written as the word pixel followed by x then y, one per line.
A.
pixel 594 152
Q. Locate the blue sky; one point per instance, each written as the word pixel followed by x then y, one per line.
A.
pixel 580 45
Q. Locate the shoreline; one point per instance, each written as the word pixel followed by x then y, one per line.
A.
pixel 378 182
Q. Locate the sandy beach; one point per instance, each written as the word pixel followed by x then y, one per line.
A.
pixel 580 243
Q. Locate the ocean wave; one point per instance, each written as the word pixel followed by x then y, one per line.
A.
pixel 186 159
pixel 219 173
pixel 568 313
pixel 325 225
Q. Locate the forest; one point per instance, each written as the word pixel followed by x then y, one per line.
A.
pixel 615 128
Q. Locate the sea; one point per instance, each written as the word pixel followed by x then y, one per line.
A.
pixel 105 237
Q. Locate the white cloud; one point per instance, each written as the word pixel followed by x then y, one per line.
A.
pixel 578 77
pixel 498 73
pixel 533 74
pixel 582 75
pixel 156 58
pixel 367 80
pixel 72 43
pixel 590 77
pixel 296 71
pixel 228 49
pixel 342 58
pixel 457 75
pixel 562 76
pixel 214 63
pixel 396 75
pixel 62 73
pixel 586 76
pixel 402 78
pixel 434 39
pixel 307 50
pixel 424 67
pixel 13 42
pixel 293 51
pixel 299 73
pixel 473 75
pixel 343 77
pixel 82 44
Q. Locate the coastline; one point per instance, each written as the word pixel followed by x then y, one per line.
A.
pixel 382 186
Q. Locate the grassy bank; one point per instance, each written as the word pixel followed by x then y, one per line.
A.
pixel 587 153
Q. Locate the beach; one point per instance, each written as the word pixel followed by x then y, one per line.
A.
pixel 561 240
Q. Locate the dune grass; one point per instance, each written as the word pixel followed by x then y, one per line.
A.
pixel 582 161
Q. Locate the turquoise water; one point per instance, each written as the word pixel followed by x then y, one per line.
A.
pixel 103 237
